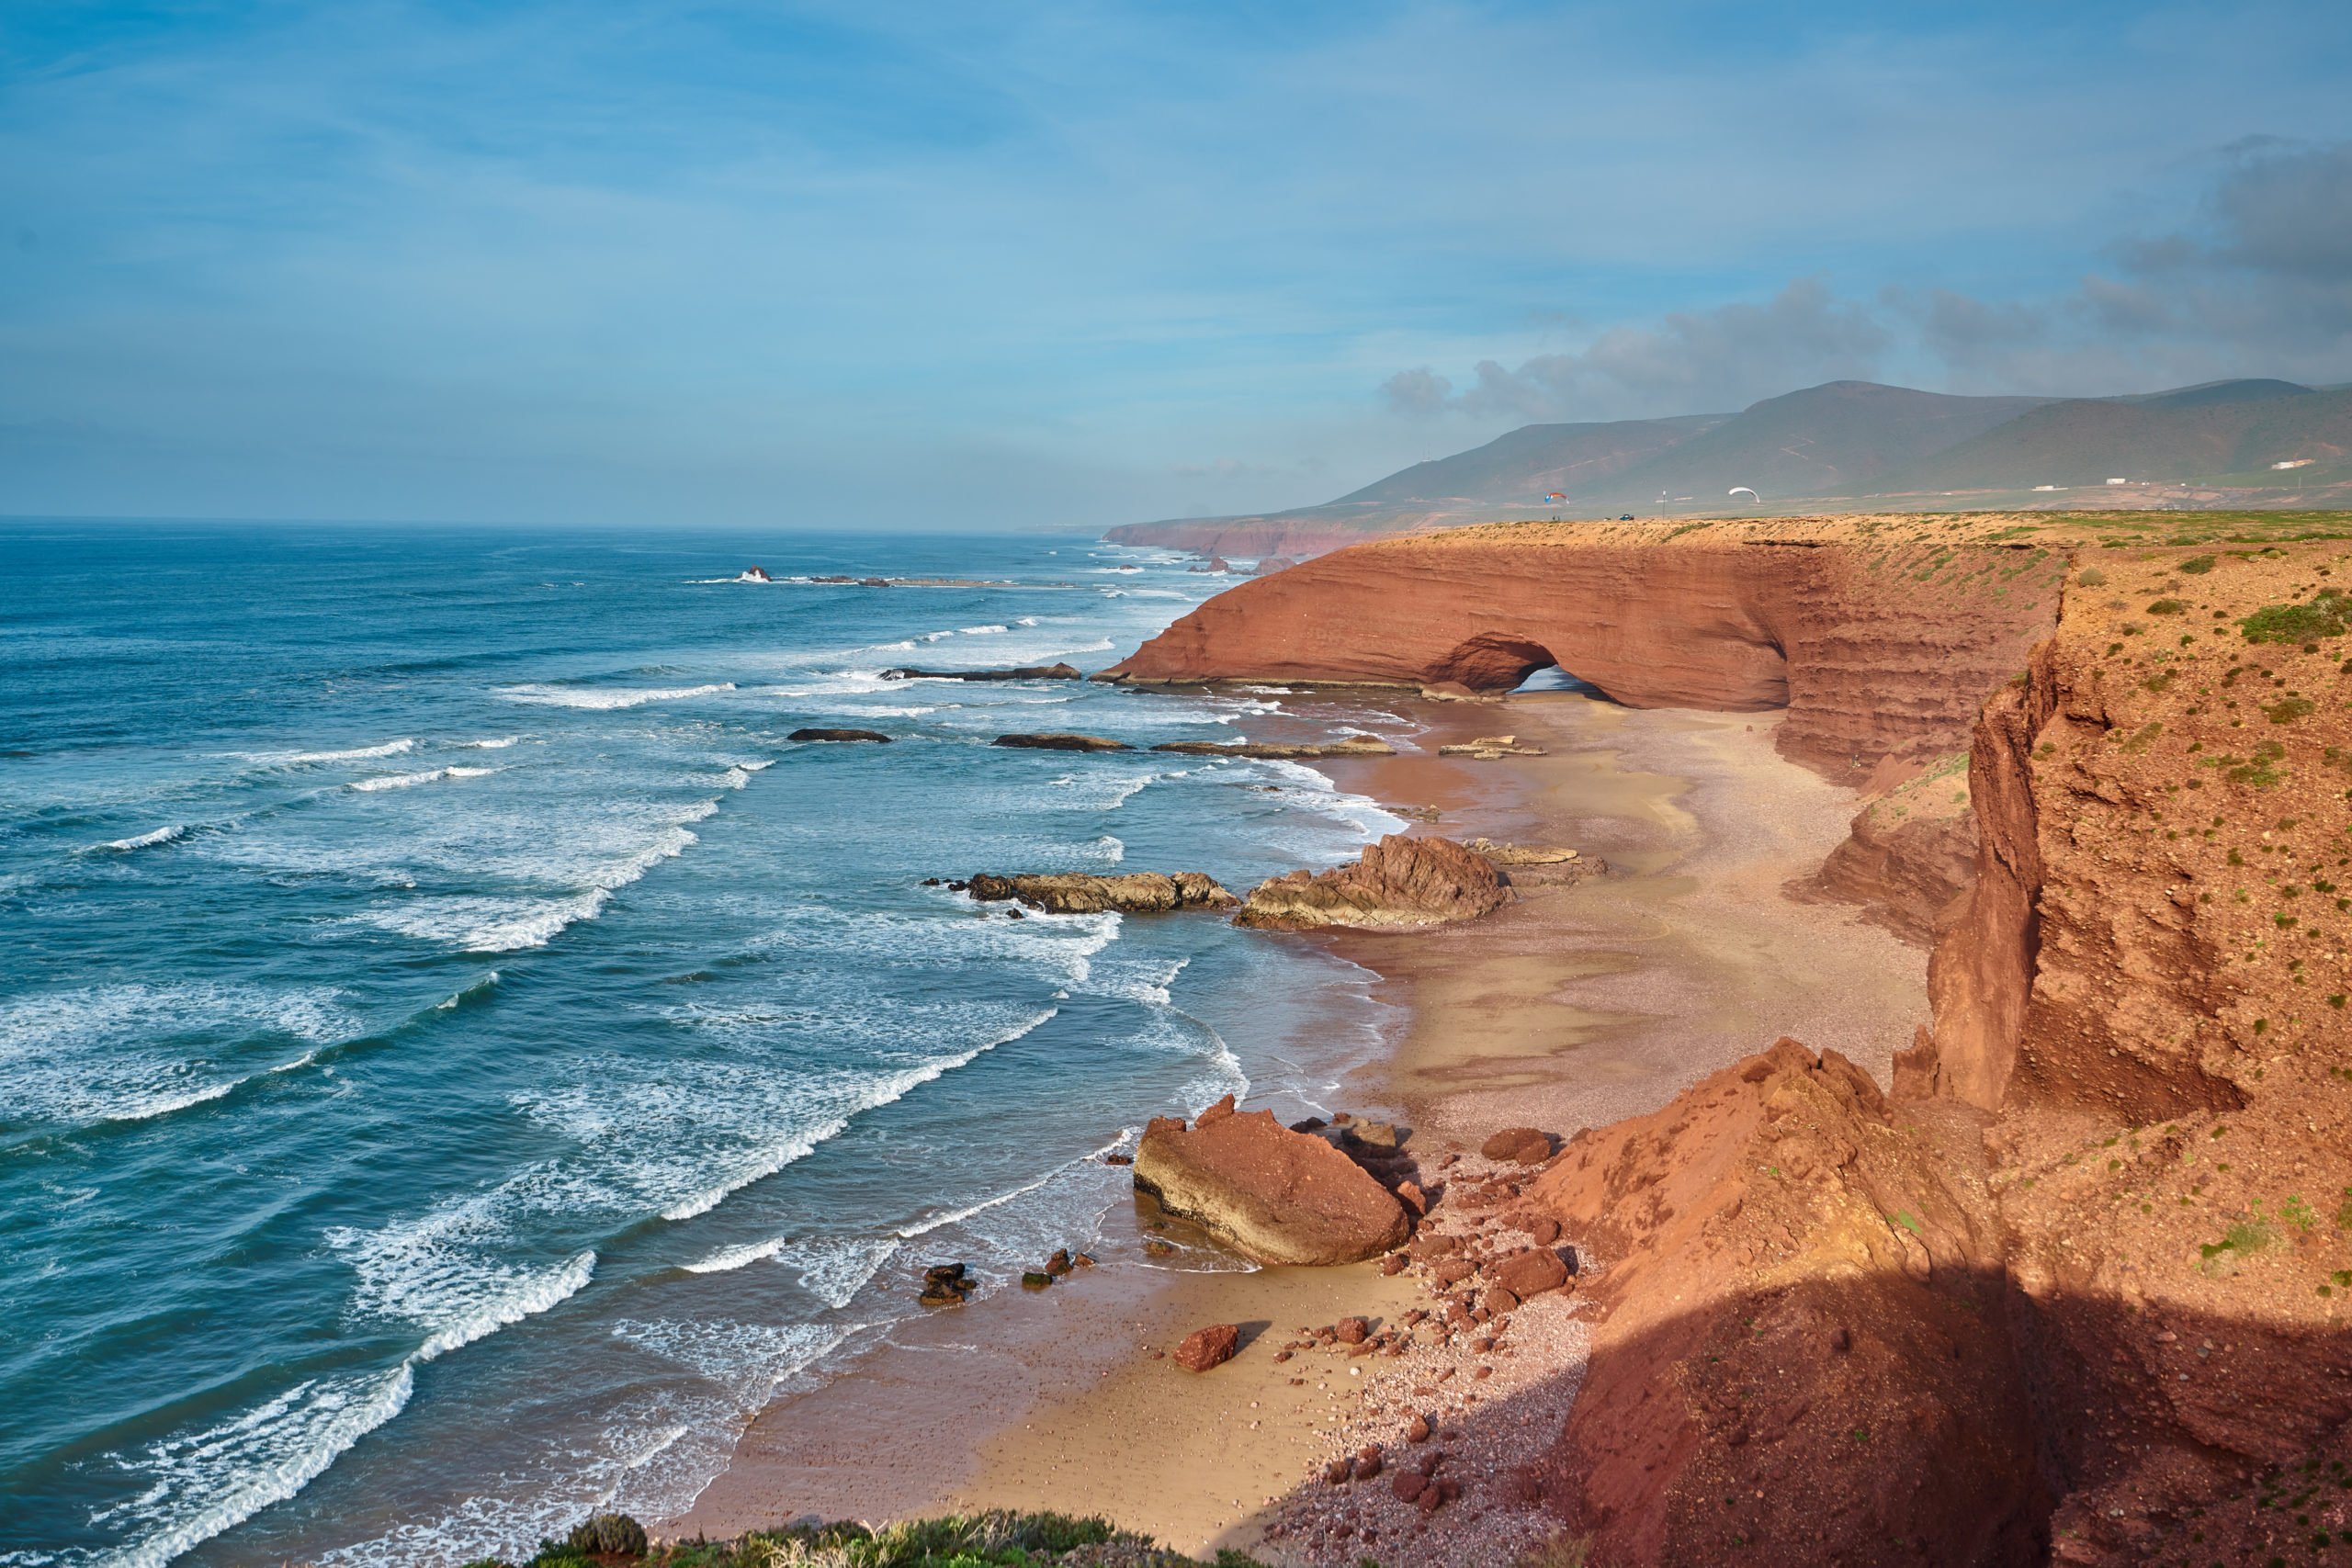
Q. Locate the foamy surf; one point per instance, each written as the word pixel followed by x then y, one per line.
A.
pixel 351 754
pixel 604 698
pixel 410 781
pixel 177 831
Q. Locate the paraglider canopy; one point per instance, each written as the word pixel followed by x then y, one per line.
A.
pixel 1743 490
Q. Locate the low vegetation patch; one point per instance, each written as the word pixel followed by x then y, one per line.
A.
pixel 999 1538
pixel 2324 613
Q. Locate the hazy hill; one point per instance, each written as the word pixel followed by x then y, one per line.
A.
pixel 1841 440
pixel 2228 428
pixel 1833 439
pixel 1521 467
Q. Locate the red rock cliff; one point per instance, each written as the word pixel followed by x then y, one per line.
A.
pixel 1879 638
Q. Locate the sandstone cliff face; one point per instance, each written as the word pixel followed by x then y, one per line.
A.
pixel 1908 855
pixel 1398 883
pixel 2126 1162
pixel 1801 1359
pixel 1878 637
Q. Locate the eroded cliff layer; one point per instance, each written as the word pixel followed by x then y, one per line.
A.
pixel 2107 1216
pixel 1880 635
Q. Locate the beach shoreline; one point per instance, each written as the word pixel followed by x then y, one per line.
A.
pixel 1572 1007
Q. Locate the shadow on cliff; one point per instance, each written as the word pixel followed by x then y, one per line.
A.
pixel 1866 1421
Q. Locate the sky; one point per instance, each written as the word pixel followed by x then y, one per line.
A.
pixel 1008 266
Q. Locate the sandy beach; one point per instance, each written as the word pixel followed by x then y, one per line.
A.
pixel 1572 1007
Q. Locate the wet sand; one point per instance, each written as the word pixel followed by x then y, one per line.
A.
pixel 1574 1006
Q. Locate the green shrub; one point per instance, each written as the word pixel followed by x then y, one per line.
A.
pixel 2166 607
pixel 2324 613
pixel 2197 565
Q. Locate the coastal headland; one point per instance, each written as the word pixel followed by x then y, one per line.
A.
pixel 1952 1158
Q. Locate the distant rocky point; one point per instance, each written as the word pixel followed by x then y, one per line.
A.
pixel 1025 672
pixel 1355 746
pixel 1061 740
pixel 1081 893
pixel 874 734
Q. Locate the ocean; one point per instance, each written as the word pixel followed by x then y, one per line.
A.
pixel 458 1059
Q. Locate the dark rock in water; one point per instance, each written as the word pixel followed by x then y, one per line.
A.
pixel 616 1535
pixel 944 1284
pixel 931 881
pixel 839 735
pixel 1060 1263
pixel 755 574
pixel 1355 746
pixel 1081 893
pixel 1118 1159
pixel 1153 1247
pixel 1025 672
pixel 1059 741
pixel 1036 1280
pixel 1210 1347
pixel 957 887
pixel 1273 1195
pixel 1399 883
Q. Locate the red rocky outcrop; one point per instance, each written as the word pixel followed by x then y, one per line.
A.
pixel 1271 1194
pixel 1399 882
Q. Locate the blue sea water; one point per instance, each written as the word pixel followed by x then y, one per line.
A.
pixel 458 1059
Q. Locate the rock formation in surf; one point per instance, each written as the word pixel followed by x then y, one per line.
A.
pixel 1399 882
pixel 1056 740
pixel 1081 893
pixel 1271 1194
pixel 840 735
pixel 1025 672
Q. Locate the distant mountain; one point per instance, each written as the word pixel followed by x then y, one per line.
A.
pixel 2231 428
pixel 1829 440
pixel 1532 460
pixel 1852 441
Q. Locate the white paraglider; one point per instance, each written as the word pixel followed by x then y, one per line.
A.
pixel 1738 490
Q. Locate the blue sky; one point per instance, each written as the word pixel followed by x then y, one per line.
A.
pixel 1077 264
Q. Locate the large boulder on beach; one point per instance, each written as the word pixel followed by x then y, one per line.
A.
pixel 1400 884
pixel 1060 741
pixel 1210 1347
pixel 1273 1195
pixel 1081 893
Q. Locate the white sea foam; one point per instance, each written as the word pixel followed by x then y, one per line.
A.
pixel 759 1163
pixel 205 1482
pixel 980 631
pixel 445 1272
pixel 833 1268
pixel 608 697
pixel 748 1360
pixel 410 781
pixel 145 840
pixel 740 773
pixel 497 743
pixel 129 1052
pixel 1027 621
pixel 356 755
pixel 506 923
pixel 727 1259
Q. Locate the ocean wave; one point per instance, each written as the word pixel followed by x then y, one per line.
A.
pixel 602 698
pixel 128 1053
pixel 205 1482
pixel 410 781
pixel 497 743
pixel 727 1259
pixel 144 840
pixel 1028 620
pixel 443 1274
pixel 978 631
pixel 354 754
pixel 471 991
pixel 834 1268
pixel 737 776
pixel 873 1094
pixel 748 1360
pixel 510 922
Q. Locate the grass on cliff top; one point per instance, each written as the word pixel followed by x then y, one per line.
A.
pixel 999 1538
pixel 2112 530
